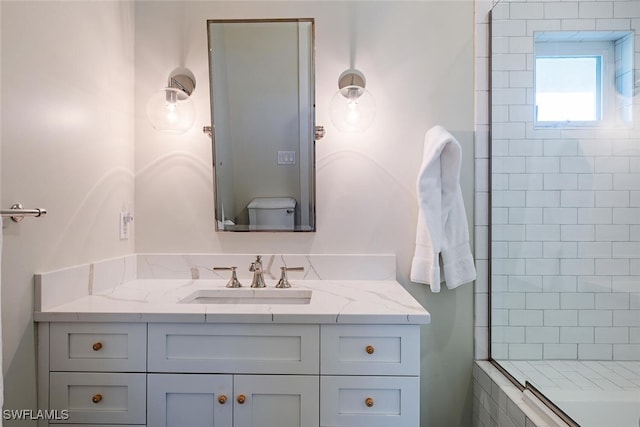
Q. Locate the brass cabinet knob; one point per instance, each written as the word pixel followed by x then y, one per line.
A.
pixel 222 399
pixel 370 349
pixel 97 398
pixel 241 398
pixel 97 346
pixel 369 402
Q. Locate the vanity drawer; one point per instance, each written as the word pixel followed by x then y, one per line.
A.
pixel 369 401
pixel 234 348
pixel 107 398
pixel 107 347
pixel 370 349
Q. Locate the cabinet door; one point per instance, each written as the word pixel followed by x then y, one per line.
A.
pixel 178 400
pixel 276 401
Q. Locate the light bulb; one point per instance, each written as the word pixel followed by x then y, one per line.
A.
pixel 171 111
pixel 352 108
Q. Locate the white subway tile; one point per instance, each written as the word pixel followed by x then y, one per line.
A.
pixel 526 11
pixel 481 206
pixel 499 317
pixel 559 283
pixel 525 216
pixel 576 335
pixel 507 165
pixel 578 199
pixel 634 335
pixel 508 266
pixel 635 199
pixel 612 267
pixel 499 181
pixel 577 233
pixel 595 318
pixel 508 28
pixel 561 10
pixel 560 181
pixel 560 215
pixel 613 24
pixel 508 198
pixel 595 216
pixel 561 318
pixel 481 312
pixel 499 250
pixel 595 147
pixel 542 300
pixel 626 181
pixel 577 300
pixel 626 147
pixel 521 44
pixel 600 181
pixel 594 250
pixel 542 334
pixel 508 232
pixel 626 215
pixel 535 25
pixel 482 242
pixel 626 351
pixel 576 165
pixel 577 267
pixel 595 351
pixel 594 284
pixel 626 318
pixel 525 318
pixel 626 9
pixel 499 283
pixel 560 250
pixel 536 233
pixel 522 79
pixel 596 9
pixel 634 165
pixel 578 24
pixel 612 335
pixel 612 233
pixel 519 147
pixel 500 351
pixel 560 351
pixel 508 334
pixel 499 216
pixel 544 199
pixel 611 165
pixel 509 96
pixel 634 300
pixel 625 284
pixel 615 300
pixel 519 113
pixel 525 249
pixel 482 276
pixel 525 351
pixel 481 342
pixel 524 283
pixel 508 300
pixel 626 250
pixel 525 181
pixel 542 164
pixel 543 267
pixel 612 199
pixel 634 267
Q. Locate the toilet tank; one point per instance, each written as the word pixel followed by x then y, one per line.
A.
pixel 273 213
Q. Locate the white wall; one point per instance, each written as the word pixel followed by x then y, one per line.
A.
pixel 418 60
pixel 67 145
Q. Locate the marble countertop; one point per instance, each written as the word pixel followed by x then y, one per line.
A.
pixel 159 300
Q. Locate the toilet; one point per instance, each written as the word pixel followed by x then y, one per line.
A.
pixel 272 213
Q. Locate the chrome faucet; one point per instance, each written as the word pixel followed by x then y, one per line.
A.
pixel 258 275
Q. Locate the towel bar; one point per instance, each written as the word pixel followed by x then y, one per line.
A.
pixel 17 213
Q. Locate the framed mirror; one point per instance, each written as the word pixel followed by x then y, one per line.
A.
pixel 263 121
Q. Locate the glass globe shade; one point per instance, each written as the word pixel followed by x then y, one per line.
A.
pixel 352 109
pixel 171 111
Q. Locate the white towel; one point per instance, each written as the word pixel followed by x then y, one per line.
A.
pixel 442 229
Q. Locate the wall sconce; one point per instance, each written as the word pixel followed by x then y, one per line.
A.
pixel 352 108
pixel 171 110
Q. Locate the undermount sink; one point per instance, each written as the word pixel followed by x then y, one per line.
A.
pixel 248 296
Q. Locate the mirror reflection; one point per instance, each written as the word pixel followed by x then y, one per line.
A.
pixel 262 108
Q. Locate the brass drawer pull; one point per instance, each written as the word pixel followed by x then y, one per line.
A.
pixel 222 399
pixel 370 349
pixel 97 398
pixel 97 346
pixel 369 402
pixel 242 398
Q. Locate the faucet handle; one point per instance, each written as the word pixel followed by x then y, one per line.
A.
pixel 233 281
pixel 284 281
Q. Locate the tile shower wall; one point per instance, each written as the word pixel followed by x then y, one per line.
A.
pixel 565 204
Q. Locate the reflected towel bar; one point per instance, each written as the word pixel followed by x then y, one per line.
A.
pixel 17 213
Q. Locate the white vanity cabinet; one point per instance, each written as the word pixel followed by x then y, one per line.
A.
pixel 230 375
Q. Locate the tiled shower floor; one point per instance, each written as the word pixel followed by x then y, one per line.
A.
pixel 556 375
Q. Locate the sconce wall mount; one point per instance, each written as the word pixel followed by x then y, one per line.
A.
pixel 352 108
pixel 172 110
